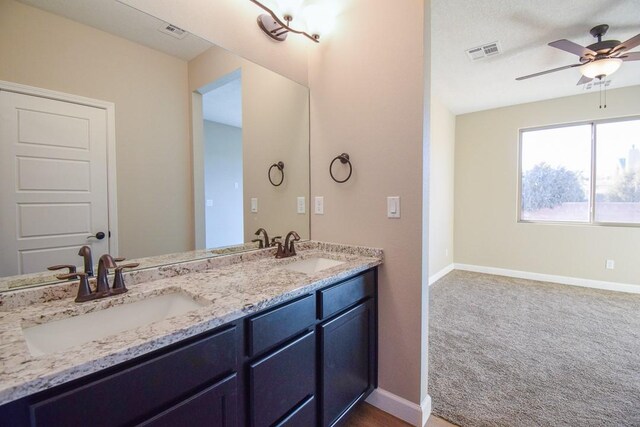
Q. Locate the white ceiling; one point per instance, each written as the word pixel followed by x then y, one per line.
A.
pixel 224 103
pixel 124 21
pixel 523 29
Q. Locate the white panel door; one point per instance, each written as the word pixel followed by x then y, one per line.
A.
pixel 53 182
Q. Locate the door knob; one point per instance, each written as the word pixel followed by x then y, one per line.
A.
pixel 99 235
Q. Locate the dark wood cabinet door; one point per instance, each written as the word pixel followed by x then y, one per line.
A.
pixel 347 360
pixel 215 407
pixel 281 381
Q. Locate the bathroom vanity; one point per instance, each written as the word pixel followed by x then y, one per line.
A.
pixel 275 342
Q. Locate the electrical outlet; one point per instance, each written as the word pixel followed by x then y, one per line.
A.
pixel 611 264
pixel 302 205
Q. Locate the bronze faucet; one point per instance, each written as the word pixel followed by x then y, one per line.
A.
pixel 288 249
pixel 85 252
pixel 263 243
pixel 85 293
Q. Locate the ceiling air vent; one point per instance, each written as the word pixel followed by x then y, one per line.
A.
pixel 173 31
pixel 484 51
pixel 596 84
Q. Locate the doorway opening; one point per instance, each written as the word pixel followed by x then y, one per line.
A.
pixel 222 156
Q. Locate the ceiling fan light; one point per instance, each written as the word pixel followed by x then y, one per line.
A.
pixel 600 67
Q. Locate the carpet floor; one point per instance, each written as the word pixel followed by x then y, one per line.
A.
pixel 515 352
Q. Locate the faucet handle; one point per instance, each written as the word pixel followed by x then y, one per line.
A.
pixel 84 290
pixel 119 259
pixel 275 240
pixel 260 243
pixel 72 269
pixel 118 281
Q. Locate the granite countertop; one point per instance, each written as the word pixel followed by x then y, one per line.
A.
pixel 228 287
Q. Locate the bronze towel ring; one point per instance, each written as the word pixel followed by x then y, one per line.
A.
pixel 344 159
pixel 280 167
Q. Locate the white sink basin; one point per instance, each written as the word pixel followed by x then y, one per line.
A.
pixel 312 265
pixel 66 333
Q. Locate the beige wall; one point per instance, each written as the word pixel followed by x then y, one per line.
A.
pixel 149 90
pixel 441 186
pixel 486 229
pixel 275 117
pixel 367 100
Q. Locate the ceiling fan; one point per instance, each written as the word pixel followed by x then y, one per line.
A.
pixel 597 60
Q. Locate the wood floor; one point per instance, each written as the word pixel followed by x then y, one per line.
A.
pixel 365 415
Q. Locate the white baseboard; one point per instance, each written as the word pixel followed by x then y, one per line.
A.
pixel 399 407
pixel 425 406
pixel 564 280
pixel 440 274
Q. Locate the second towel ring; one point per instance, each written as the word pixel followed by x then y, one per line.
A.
pixel 344 159
pixel 280 167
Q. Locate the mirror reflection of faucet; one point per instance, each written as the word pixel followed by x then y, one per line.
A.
pixel 85 253
pixel 264 241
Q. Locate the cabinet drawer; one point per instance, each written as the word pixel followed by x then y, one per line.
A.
pixel 281 380
pixel 303 416
pixel 277 325
pixel 141 390
pixel 342 295
pixel 215 406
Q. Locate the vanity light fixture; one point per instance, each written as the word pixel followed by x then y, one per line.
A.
pixel 312 19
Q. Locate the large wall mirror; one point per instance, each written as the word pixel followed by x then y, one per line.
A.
pixel 208 147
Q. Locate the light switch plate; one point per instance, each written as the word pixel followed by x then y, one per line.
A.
pixel 254 205
pixel 302 205
pixel 393 207
pixel 319 205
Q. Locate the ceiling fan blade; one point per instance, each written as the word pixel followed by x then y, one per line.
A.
pixel 632 56
pixel 553 70
pixel 627 45
pixel 571 47
pixel 583 80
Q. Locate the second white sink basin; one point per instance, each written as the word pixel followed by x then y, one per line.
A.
pixel 312 265
pixel 66 333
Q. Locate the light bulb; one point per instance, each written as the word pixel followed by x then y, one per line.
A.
pixel 600 67
pixel 319 19
pixel 289 7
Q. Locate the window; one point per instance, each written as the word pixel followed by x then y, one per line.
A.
pixel 585 173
